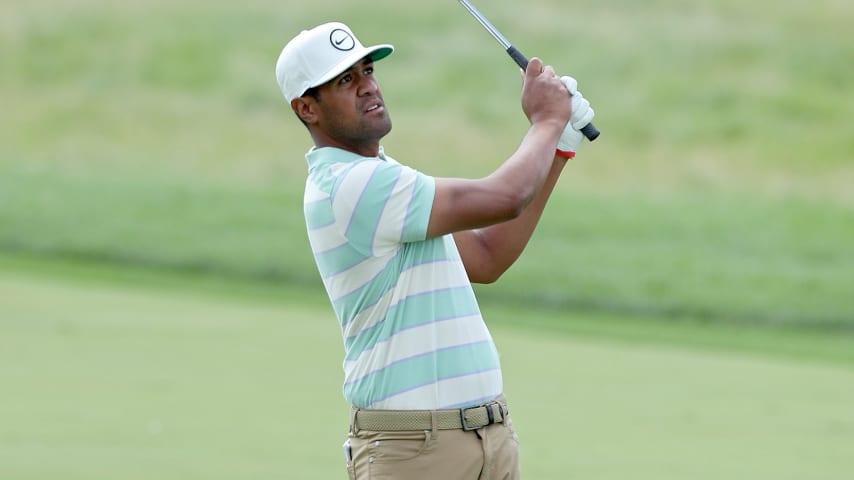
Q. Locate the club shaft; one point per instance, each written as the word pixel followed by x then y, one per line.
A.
pixel 486 24
pixel 589 130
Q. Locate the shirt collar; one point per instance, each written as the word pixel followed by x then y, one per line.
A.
pixel 316 156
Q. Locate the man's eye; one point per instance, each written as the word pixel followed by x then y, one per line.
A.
pixel 369 71
pixel 346 78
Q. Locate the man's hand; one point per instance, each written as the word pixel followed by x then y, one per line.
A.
pixel 543 97
pixel 582 115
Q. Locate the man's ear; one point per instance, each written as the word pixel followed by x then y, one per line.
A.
pixel 304 107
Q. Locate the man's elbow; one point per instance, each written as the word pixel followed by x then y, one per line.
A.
pixel 485 276
pixel 514 204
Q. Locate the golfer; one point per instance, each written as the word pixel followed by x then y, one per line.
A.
pixel 397 251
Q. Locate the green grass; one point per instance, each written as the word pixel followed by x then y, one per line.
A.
pixel 155 135
pixel 115 382
pixel 686 303
pixel 733 259
pixel 131 378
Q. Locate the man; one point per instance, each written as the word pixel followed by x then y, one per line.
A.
pixel 397 250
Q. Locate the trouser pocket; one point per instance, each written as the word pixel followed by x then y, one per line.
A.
pixel 348 456
pixel 389 454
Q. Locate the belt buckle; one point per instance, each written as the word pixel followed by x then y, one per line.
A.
pixel 489 413
pixel 466 426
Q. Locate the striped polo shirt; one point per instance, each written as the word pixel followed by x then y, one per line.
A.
pixel 414 338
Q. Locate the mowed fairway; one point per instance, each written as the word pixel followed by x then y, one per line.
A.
pixel 110 380
pixel 684 310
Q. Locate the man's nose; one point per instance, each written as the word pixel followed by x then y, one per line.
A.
pixel 368 85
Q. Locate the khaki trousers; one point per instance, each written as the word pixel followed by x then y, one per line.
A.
pixel 488 453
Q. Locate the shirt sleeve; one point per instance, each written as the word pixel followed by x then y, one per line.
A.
pixel 388 204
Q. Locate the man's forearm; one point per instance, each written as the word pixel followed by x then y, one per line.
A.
pixel 526 171
pixel 504 242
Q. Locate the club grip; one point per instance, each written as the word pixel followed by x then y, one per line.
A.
pixel 590 131
pixel 518 57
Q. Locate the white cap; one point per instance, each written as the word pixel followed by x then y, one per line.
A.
pixel 316 56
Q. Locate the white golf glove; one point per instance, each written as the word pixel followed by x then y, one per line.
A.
pixel 582 115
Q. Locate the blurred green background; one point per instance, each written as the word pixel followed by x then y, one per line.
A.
pixel 686 301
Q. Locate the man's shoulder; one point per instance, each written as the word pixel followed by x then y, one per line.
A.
pixel 335 162
pixel 335 155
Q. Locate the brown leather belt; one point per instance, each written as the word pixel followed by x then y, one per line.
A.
pixel 470 418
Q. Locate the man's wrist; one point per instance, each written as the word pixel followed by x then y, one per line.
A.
pixel 565 153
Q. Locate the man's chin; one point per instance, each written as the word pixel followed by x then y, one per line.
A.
pixel 383 128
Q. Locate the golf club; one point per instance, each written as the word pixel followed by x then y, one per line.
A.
pixel 589 130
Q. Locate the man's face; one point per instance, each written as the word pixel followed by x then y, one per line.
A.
pixel 350 108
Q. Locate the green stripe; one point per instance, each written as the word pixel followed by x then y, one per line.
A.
pixel 319 214
pixel 423 370
pixel 412 312
pixel 418 216
pixel 338 259
pixel 368 294
pixel 408 257
pixel 323 180
pixel 372 203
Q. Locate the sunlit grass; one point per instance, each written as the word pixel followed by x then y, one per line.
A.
pixel 155 134
pixel 122 374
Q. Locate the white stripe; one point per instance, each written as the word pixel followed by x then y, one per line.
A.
pixel 453 391
pixel 416 341
pixel 350 190
pixel 393 217
pixel 326 238
pixel 424 278
pixel 415 281
pixel 338 168
pixel 313 193
pixel 368 317
pixel 348 281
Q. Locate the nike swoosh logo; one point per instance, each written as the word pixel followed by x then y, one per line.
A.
pixel 339 42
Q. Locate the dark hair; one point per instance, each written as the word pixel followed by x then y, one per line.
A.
pixel 312 92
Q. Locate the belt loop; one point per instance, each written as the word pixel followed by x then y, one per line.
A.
pixel 434 422
pixel 354 429
pixel 490 415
